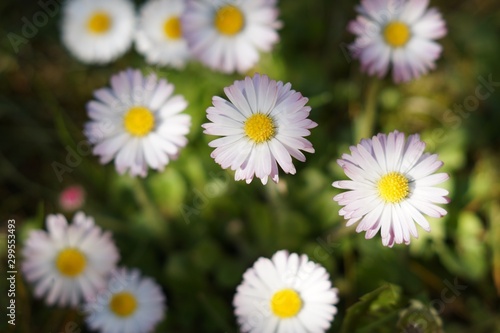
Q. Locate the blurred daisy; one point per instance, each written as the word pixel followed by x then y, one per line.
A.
pixel 137 122
pixel 68 263
pixel 129 303
pixel 159 36
pixel 72 198
pixel 285 294
pixel 392 184
pixel 98 31
pixel 263 125
pixel 227 35
pixel 398 32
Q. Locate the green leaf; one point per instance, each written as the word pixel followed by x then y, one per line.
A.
pixel 373 310
pixel 469 258
pixel 471 247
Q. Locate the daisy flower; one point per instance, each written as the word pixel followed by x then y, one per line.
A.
pixel 159 36
pixel 263 125
pixel 68 262
pixel 97 31
pixel 129 303
pixel 137 122
pixel 227 35
pixel 287 293
pixel 398 32
pixel 392 185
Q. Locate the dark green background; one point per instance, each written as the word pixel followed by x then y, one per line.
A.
pixel 195 230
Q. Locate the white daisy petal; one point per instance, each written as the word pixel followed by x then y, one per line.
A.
pixel 414 10
pixel 147 128
pixel 286 293
pixel 430 26
pixel 394 197
pixel 256 137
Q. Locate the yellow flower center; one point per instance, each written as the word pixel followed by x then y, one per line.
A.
pixel 396 33
pixel 139 121
pixel 229 20
pixel 99 23
pixel 123 304
pixel 172 28
pixel 286 303
pixel 259 128
pixel 71 262
pixel 393 187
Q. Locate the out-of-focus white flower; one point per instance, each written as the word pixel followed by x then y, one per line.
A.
pixel 98 31
pixel 400 33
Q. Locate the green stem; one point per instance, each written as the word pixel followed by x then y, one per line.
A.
pixel 380 322
pixel 365 122
pixel 153 219
pixel 223 324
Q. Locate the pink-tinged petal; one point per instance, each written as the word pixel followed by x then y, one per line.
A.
pixel 431 25
pixel 414 10
pixel 432 180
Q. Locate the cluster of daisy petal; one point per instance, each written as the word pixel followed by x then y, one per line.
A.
pixel 262 124
pixel 225 35
pixel 139 124
pixel 75 265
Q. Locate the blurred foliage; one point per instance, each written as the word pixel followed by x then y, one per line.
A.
pixel 195 230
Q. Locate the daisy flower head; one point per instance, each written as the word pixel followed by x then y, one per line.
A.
pixel 159 36
pixel 392 185
pixel 287 293
pixel 97 31
pixel 263 124
pixel 129 303
pixel 137 122
pixel 69 262
pixel 227 35
pixel 397 32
